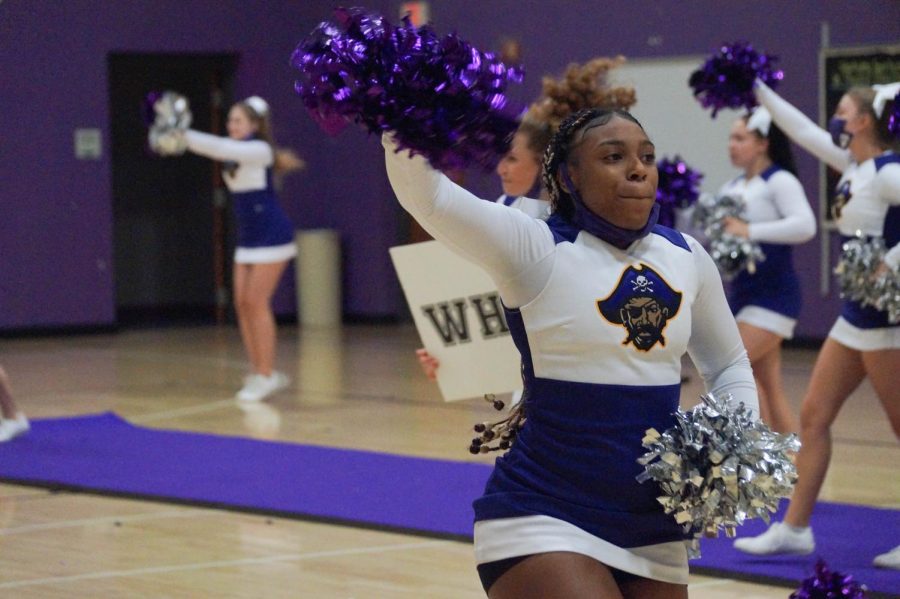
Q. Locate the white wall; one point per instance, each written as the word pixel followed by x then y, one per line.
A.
pixel 675 121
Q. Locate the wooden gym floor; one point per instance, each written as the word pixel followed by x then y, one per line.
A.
pixel 354 387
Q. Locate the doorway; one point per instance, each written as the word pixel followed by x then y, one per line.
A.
pixel 171 229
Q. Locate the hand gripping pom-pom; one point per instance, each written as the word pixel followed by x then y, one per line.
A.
pixel 168 115
pixel 828 583
pixel 732 254
pixel 726 78
pixel 441 97
pixel 677 189
pixel 863 277
pixel 717 467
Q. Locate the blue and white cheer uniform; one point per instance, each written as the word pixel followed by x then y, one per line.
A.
pixel 778 216
pixel 264 234
pixel 601 332
pixel 532 207
pixel 871 192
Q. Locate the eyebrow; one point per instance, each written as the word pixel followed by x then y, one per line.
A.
pixel 619 142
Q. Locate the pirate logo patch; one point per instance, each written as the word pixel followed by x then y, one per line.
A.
pixel 842 196
pixel 643 303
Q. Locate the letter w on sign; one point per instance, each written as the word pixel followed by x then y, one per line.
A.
pixel 449 320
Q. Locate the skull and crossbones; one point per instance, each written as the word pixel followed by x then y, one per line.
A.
pixel 642 284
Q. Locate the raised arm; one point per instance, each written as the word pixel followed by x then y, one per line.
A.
pixel 516 250
pixel 801 129
pixel 715 346
pixel 224 149
pixel 797 223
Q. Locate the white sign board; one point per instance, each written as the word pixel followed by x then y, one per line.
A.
pixel 460 319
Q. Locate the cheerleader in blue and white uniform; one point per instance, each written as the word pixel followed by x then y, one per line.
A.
pixel 265 236
pixel 777 215
pixel 602 305
pixel 862 343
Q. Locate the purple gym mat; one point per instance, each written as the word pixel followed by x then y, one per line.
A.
pixel 105 454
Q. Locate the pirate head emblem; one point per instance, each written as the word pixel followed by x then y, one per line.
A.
pixel 643 303
pixel 841 197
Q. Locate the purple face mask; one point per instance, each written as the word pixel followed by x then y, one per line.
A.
pixel 839 135
pixel 602 228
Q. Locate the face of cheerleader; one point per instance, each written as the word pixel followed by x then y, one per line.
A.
pixel 746 149
pixel 519 167
pixel 854 120
pixel 613 168
pixel 239 124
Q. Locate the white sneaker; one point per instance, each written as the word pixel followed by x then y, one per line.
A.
pixel 12 428
pixel 258 386
pixel 779 539
pixel 891 559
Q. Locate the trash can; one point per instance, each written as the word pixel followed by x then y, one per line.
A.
pixel 318 277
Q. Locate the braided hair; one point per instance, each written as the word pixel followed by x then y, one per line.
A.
pixel 557 153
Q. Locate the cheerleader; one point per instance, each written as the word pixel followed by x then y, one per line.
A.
pixel 777 215
pixel 862 343
pixel 265 236
pixel 13 422
pixel 602 305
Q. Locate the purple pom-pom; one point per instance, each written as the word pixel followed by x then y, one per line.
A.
pixel 726 79
pixel 678 188
pixel 825 584
pixel 440 96
pixel 894 119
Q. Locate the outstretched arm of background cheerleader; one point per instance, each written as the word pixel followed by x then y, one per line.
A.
pixel 797 223
pixel 513 248
pixel 224 149
pixel 715 346
pixel 801 129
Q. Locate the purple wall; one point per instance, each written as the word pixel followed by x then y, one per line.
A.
pixel 55 234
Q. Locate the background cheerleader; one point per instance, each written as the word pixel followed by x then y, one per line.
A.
pixel 265 236
pixel 777 214
pixel 862 343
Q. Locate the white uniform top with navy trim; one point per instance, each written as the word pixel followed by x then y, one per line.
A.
pixel 601 332
pixel 778 216
pixel 870 192
pixel 530 206
pixel 265 234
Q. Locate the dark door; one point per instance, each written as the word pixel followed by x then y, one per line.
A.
pixel 170 225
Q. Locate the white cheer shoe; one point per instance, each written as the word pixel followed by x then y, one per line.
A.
pixel 779 539
pixel 259 386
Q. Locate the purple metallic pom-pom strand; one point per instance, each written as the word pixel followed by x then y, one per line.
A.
pixel 894 119
pixel 678 188
pixel 440 96
pixel 825 584
pixel 726 79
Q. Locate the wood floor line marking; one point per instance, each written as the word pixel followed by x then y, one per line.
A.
pixel 191 512
pixel 211 406
pixel 219 564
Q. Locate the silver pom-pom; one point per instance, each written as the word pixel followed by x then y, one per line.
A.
pixel 171 117
pixel 731 253
pixel 717 467
pixel 863 278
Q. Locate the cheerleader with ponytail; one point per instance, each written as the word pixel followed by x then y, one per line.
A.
pixel 265 236
pixel 861 143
